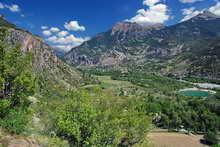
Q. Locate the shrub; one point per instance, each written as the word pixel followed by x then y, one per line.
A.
pixel 16 120
pixel 16 84
pixel 211 138
pixel 87 120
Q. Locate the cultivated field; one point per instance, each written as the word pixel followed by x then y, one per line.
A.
pixel 175 140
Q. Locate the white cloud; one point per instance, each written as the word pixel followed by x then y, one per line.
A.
pixel 44 27
pixel 1 6
pixel 63 40
pixel 13 8
pixel 68 42
pixel 65 48
pixel 70 39
pixel 189 1
pixel 54 29
pixel 47 33
pixel 189 13
pixel 63 33
pixel 22 15
pixel 156 13
pixel 215 9
pixel 53 39
pixel 74 26
pixel 150 2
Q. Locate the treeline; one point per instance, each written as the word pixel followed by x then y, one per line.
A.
pixel 200 80
pixel 191 114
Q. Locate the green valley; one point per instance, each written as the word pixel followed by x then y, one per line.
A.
pixel 131 86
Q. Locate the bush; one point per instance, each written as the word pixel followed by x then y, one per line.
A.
pixel 211 138
pixel 16 120
pixel 87 120
pixel 16 84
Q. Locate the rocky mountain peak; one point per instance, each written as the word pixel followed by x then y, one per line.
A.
pixel 207 15
pixel 129 27
pixel 126 27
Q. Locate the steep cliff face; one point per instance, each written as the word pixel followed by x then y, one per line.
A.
pixel 46 65
pixel 154 48
pixel 111 48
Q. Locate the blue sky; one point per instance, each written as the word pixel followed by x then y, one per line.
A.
pixel 70 22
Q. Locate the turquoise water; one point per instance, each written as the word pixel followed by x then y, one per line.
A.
pixel 196 93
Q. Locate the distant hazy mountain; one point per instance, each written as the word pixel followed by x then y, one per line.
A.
pixel 58 52
pixel 130 46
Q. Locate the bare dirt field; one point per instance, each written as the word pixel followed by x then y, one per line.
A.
pixel 175 140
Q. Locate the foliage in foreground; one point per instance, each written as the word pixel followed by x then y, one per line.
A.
pixel 16 84
pixel 212 138
pixel 100 120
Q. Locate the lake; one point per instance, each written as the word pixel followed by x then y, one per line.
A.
pixel 196 93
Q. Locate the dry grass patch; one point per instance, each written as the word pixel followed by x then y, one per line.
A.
pixel 174 140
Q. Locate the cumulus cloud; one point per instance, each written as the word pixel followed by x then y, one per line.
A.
pixel 53 39
pixel 150 2
pixel 62 39
pixel 156 13
pixel 63 33
pixel 65 48
pixel 70 39
pixel 68 42
pixel 54 29
pixel 74 26
pixel 189 1
pixel 13 8
pixel 47 33
pixel 1 6
pixel 44 27
pixel 189 13
pixel 215 9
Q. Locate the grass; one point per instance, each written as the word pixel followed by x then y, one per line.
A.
pixel 106 80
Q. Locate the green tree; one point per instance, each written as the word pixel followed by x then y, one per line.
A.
pixel 95 121
pixel 16 80
pixel 212 138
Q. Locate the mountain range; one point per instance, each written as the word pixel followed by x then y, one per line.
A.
pixel 187 48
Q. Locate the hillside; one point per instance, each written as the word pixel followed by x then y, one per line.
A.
pixel 47 66
pixel 129 46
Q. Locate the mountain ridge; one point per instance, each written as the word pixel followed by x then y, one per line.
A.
pixel 127 48
pixel 46 65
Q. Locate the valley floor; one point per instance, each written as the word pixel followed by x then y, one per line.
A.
pixel 175 140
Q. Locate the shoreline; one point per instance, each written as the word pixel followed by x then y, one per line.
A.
pixel 198 89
